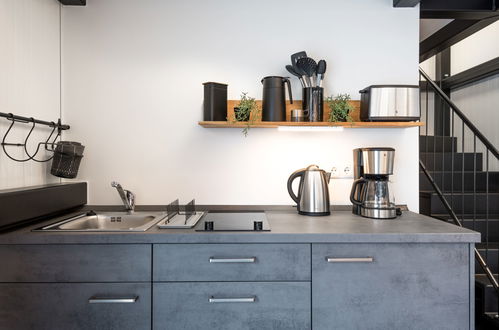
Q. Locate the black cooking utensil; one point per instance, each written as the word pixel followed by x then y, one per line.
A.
pixel 308 65
pixel 294 58
pixel 297 56
pixel 292 70
pixel 320 71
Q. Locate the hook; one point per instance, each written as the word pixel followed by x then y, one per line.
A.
pixel 15 144
pixel 46 143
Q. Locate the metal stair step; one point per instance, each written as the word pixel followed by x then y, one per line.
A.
pixel 437 143
pixel 448 181
pixel 487 298
pixel 444 160
pixel 467 203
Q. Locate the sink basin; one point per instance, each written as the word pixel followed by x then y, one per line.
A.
pixel 107 221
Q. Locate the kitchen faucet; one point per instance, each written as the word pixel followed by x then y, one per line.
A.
pixel 127 196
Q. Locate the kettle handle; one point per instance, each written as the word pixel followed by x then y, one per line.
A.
pixel 287 81
pixel 352 193
pixel 292 178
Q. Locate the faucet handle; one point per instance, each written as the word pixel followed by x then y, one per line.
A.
pixel 114 184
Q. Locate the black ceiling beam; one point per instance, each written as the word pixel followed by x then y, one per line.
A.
pixel 451 34
pixel 474 74
pixel 458 14
pixel 73 2
pixel 458 5
pixel 405 3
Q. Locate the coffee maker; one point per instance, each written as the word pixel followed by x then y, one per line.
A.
pixel 370 193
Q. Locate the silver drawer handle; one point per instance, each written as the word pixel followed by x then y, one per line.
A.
pixel 232 260
pixel 111 300
pixel 232 300
pixel 364 259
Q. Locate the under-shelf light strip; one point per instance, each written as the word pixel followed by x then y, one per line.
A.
pixel 310 128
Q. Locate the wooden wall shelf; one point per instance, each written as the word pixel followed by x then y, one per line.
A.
pixel 297 105
pixel 268 124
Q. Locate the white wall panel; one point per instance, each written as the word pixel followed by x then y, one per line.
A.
pixel 29 82
pixel 133 74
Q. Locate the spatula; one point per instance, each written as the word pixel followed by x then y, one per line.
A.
pixel 297 56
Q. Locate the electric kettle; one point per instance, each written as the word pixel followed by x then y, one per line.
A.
pixel 313 191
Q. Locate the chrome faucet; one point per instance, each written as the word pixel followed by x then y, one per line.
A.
pixel 127 196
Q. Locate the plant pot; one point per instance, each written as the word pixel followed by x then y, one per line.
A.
pixel 243 117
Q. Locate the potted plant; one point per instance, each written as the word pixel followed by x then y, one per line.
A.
pixel 247 110
pixel 340 108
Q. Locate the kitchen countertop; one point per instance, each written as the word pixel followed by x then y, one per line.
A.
pixel 286 227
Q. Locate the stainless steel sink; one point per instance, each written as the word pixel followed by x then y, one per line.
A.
pixel 107 221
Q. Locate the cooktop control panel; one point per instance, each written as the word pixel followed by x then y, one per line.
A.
pixel 234 221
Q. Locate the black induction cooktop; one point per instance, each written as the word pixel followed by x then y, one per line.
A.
pixel 234 221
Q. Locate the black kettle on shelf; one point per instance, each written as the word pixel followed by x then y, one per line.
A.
pixel 274 98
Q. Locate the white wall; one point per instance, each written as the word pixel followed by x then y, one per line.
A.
pixel 479 101
pixel 29 82
pixel 132 75
pixel 480 47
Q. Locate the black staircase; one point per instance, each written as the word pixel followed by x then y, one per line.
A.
pixel 459 183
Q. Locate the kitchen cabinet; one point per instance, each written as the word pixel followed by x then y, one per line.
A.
pixel 75 306
pixel 232 305
pixel 336 272
pixel 391 286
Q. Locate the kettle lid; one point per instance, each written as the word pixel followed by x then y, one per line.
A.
pixel 313 168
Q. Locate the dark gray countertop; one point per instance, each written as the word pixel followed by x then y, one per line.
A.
pixel 286 227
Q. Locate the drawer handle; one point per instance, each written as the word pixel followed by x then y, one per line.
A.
pixel 233 300
pixel 363 259
pixel 232 260
pixel 111 300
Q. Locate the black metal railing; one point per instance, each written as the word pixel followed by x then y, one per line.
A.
pixel 464 186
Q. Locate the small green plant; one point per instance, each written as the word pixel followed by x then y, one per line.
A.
pixel 340 108
pixel 247 110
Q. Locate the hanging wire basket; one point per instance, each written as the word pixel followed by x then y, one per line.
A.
pixel 67 158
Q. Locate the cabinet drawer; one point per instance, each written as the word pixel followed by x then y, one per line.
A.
pixel 75 263
pixel 216 305
pixel 66 306
pixel 231 262
pixel 391 286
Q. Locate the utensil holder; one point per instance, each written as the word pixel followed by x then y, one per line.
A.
pixel 313 102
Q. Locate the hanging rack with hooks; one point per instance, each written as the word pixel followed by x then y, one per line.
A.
pixel 49 144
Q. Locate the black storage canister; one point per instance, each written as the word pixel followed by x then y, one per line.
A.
pixel 215 101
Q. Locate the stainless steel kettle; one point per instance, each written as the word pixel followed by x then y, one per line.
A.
pixel 313 191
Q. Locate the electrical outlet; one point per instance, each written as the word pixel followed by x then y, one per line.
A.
pixel 334 172
pixel 345 172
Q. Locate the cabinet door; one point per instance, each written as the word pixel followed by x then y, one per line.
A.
pixel 391 286
pixel 75 306
pixel 232 305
